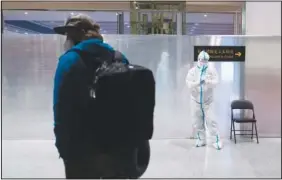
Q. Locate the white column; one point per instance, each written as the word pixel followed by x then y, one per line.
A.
pixel 263 64
pixel 263 18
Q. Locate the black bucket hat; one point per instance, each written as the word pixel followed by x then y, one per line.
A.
pixel 77 22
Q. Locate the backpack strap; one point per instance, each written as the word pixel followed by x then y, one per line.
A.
pixel 118 56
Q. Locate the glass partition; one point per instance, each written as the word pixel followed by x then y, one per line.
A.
pixel 29 63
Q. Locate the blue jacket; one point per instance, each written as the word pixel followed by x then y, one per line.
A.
pixel 70 94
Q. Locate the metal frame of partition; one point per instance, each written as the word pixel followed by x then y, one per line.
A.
pixel 242 65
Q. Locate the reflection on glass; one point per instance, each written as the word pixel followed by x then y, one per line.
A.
pixel 227 71
pixel 162 75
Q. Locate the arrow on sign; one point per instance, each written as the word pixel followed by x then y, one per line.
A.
pixel 238 54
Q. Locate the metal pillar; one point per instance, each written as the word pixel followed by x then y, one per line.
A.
pixel 133 18
pixel 235 23
pixel 120 23
pixel 2 22
pixel 144 26
pixel 242 66
pixel 179 23
pixel 243 18
pixel 183 23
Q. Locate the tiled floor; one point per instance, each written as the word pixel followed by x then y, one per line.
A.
pixel 169 159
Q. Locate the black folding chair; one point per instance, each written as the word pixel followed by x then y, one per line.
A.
pixel 243 105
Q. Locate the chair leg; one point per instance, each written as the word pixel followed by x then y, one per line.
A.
pixel 256 132
pixel 234 131
pixel 231 130
pixel 252 130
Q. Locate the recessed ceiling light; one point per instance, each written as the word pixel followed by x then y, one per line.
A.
pixel 205 15
pixel 72 13
pixel 26 13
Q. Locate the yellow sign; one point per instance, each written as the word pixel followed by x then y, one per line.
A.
pixel 222 53
pixel 218 51
pixel 238 54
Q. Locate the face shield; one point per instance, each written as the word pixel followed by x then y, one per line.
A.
pixel 203 59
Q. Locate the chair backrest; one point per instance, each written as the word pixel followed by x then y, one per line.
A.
pixel 242 104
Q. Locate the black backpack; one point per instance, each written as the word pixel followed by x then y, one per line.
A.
pixel 122 101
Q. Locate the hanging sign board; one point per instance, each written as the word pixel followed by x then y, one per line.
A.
pixel 222 53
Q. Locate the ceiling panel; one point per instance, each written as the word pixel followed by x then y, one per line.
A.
pixel 57 5
pixel 191 6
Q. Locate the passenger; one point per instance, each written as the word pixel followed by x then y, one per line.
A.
pixel 81 158
pixel 202 79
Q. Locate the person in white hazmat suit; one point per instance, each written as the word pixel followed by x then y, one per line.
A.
pixel 201 80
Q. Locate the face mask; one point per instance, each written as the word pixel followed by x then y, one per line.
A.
pixel 68 44
pixel 202 64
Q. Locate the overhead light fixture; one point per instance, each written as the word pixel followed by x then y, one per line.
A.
pixel 72 13
pixel 205 15
pixel 26 13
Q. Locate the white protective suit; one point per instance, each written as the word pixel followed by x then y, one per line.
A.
pixel 201 80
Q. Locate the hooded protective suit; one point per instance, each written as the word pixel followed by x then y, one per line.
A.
pixel 202 80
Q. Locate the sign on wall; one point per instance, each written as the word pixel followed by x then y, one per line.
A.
pixel 222 53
